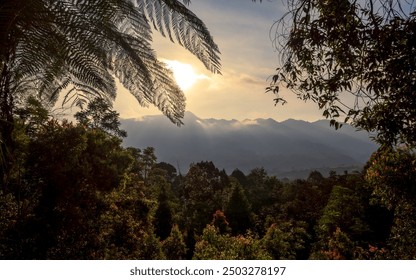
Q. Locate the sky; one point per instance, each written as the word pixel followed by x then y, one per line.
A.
pixel 241 30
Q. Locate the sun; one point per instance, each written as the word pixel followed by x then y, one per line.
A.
pixel 184 74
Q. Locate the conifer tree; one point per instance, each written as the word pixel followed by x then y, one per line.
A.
pixel 238 211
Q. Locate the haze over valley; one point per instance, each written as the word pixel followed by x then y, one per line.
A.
pixel 291 148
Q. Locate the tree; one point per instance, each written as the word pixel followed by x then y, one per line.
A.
pixel 80 46
pixel 149 161
pixel 144 161
pixel 344 211
pixel 219 221
pixel 174 246
pixel 341 226
pixel 391 178
pixel 137 166
pixel 98 114
pixel 354 59
pixel 204 188
pixel 69 165
pixel 125 228
pixel 302 201
pixel 163 215
pixel 238 211
pixel 240 176
pixel 340 247
pixel 169 170
pixel 214 246
pixel 315 177
pixel 284 240
pixel 261 189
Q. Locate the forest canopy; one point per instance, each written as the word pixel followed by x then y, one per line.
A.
pixel 76 193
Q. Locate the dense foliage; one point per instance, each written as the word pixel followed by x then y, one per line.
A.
pixel 354 59
pixel 76 193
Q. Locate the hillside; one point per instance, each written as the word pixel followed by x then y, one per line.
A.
pixel 282 148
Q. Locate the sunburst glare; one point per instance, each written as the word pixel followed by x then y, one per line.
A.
pixel 184 74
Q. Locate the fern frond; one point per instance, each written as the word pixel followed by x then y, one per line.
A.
pixel 81 45
pixel 149 81
pixel 178 21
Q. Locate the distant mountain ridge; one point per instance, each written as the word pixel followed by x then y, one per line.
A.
pixel 280 147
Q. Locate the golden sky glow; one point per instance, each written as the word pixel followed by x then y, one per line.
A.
pixel 184 74
pixel 241 30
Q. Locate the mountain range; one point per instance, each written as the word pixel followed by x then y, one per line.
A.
pixel 291 148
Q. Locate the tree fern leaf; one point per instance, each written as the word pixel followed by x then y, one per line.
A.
pixel 173 15
pixel 81 44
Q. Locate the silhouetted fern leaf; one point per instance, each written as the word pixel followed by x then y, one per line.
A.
pixel 79 46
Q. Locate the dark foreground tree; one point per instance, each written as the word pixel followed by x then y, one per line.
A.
pixel 391 178
pixel 80 47
pixel 354 59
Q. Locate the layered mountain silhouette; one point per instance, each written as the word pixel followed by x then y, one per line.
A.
pixel 282 148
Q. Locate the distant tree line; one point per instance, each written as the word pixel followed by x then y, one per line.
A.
pixel 75 192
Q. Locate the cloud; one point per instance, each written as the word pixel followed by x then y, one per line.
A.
pixel 245 78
